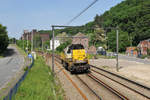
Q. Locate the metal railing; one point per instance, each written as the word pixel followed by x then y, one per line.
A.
pixel 13 90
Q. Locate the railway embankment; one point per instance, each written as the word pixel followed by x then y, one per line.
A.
pixel 39 84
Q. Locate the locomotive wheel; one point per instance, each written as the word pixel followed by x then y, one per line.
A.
pixel 62 61
pixel 72 72
pixel 65 65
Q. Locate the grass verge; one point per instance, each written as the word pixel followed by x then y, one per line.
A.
pixel 1 56
pixel 39 84
pixel 20 49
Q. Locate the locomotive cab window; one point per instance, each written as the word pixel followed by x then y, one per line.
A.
pixel 69 50
pixel 76 46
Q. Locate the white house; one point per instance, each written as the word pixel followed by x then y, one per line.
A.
pixel 56 44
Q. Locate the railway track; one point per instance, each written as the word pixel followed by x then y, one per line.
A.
pixel 96 94
pixel 99 97
pixel 127 83
pixel 73 83
pixel 121 96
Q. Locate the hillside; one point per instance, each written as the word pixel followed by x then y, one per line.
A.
pixel 131 16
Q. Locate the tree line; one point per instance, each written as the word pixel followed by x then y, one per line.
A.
pixel 131 16
pixel 4 40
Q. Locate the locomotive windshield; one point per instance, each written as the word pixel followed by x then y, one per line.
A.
pixel 75 47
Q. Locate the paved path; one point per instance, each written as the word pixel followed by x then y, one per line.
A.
pixel 130 58
pixel 10 65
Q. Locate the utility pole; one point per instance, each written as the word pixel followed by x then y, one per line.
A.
pixel 49 44
pixel 27 43
pixel 42 44
pixel 53 50
pixel 117 45
pixel 23 43
pixel 32 42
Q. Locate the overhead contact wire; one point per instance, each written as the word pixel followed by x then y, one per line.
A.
pixel 82 12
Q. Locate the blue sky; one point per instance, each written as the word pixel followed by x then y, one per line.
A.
pixel 18 15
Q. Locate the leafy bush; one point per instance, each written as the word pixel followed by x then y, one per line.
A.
pixel 26 68
pixel 148 52
pixel 123 41
pixel 4 40
pixel 144 56
pixel 63 46
pixel 23 44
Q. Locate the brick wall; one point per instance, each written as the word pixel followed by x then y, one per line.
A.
pixel 44 36
pixel 81 39
pixel 131 51
pixel 28 35
pixel 144 46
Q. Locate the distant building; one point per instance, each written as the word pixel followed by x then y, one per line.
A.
pixel 56 44
pixel 44 36
pixel 143 47
pixel 131 51
pixel 92 50
pixel 28 35
pixel 81 39
pixel 61 37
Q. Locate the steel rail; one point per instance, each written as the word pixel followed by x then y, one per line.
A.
pixel 58 58
pixel 118 76
pixel 73 83
pixel 100 82
pixel 126 79
pixel 121 84
pixel 131 81
pixel 89 88
pixel 121 96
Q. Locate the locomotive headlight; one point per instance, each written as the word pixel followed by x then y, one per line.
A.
pixel 70 59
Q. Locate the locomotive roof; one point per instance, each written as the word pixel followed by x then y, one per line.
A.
pixel 76 46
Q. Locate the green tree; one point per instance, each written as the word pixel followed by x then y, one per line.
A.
pixel 4 40
pixel 123 41
pixel 46 44
pixel 132 17
pixel 23 44
pixel 61 37
pixel 63 46
pixel 37 41
pixel 12 40
pixel 98 38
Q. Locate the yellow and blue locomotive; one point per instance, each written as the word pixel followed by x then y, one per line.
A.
pixel 75 59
